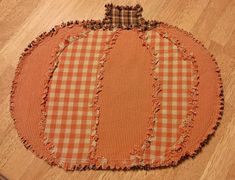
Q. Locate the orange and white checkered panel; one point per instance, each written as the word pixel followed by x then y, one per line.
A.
pixel 175 79
pixel 70 116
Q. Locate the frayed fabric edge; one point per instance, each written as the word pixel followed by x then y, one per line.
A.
pixel 97 25
pixel 86 24
pixel 211 129
pixel 53 66
pixel 100 162
pixel 107 21
pixel 27 51
pixel 137 154
pixel 187 124
pixel 175 160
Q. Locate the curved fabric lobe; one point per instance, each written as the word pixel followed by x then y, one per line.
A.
pixel 70 116
pixel 117 93
pixel 28 87
pixel 175 78
pixel 125 100
pixel 210 95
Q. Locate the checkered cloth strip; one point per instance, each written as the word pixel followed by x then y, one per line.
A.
pixel 175 79
pixel 70 116
pixel 125 16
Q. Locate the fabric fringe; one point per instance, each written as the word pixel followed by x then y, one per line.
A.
pixel 220 93
pixel 138 152
pixel 53 66
pixel 102 163
pixel 27 51
pixel 187 124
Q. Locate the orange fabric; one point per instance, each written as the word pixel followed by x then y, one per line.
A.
pixel 125 99
pixel 175 76
pixel 30 87
pixel 209 100
pixel 70 116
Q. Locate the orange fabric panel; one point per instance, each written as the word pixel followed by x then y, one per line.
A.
pixel 30 87
pixel 125 101
pixel 70 116
pixel 208 89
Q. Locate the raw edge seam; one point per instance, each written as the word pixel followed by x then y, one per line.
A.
pixel 100 162
pixel 147 25
pixel 138 152
pixel 214 125
pixel 33 44
pixel 187 124
pixel 53 66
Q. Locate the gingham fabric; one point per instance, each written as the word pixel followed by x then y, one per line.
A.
pixel 121 17
pixel 175 79
pixel 70 116
pixel 63 120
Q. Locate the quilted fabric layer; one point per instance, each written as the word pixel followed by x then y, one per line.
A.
pixel 119 93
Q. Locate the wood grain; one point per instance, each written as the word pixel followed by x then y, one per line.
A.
pixel 211 21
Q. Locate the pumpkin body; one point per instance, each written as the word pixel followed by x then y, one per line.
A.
pixel 117 93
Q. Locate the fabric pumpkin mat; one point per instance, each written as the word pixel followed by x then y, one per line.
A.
pixel 119 93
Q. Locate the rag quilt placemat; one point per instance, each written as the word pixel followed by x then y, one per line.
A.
pixel 117 93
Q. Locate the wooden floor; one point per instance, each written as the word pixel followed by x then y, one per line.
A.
pixel 211 21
